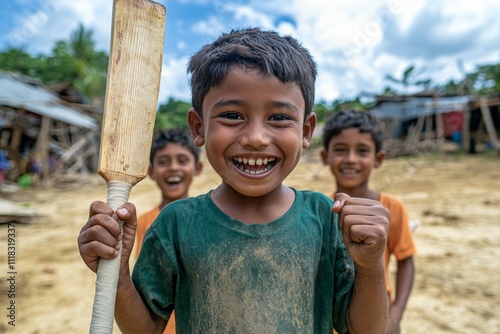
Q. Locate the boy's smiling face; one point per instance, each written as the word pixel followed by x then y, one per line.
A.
pixel 253 130
pixel 351 156
pixel 173 169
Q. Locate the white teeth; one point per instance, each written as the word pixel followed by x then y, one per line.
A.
pixel 174 179
pixel 262 162
pixel 255 162
pixel 255 172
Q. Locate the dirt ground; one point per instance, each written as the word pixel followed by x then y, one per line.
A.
pixel 455 198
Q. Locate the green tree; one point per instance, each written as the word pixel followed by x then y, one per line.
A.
pixel 322 111
pixel 172 114
pixel 75 61
pixel 18 60
pixel 91 65
pixel 409 79
pixel 487 79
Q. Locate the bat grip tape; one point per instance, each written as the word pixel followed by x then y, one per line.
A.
pixel 109 269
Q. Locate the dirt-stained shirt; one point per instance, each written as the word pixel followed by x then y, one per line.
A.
pixel 293 275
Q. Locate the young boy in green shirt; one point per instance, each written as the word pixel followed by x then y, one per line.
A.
pixel 252 255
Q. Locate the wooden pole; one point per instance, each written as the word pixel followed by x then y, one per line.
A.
pixel 466 129
pixel 488 122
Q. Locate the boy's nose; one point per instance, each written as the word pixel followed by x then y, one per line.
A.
pixel 351 155
pixel 174 165
pixel 255 135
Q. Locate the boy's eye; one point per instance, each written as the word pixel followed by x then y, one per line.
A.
pixel 183 161
pixel 163 162
pixel 280 117
pixel 231 115
pixel 364 151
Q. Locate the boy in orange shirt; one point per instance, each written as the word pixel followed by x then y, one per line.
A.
pixel 173 162
pixel 352 143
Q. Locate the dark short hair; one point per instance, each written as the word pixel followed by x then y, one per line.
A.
pixel 280 56
pixel 180 136
pixel 364 121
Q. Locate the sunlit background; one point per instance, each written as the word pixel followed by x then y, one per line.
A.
pixel 356 44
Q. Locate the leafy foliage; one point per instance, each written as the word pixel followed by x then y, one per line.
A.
pixel 409 79
pixel 75 61
pixel 172 114
pixel 487 79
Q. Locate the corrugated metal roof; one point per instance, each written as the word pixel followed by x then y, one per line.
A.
pixel 19 94
pixel 417 106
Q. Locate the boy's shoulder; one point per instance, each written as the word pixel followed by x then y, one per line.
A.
pixel 390 200
pixel 318 196
pixel 315 201
pixel 395 206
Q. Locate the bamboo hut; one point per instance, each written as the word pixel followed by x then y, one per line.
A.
pixel 43 135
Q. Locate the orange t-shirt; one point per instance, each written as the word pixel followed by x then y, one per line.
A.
pixel 400 238
pixel 143 223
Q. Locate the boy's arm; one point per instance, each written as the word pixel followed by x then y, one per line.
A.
pixel 131 313
pixel 364 225
pixel 404 283
pixel 99 238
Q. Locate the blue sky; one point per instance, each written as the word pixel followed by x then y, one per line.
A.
pixel 355 43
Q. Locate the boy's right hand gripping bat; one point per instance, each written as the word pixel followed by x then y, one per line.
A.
pixel 132 88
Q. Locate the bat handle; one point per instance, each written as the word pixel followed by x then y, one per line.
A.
pixel 108 270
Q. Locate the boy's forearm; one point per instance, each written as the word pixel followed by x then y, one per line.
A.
pixel 404 284
pixel 132 314
pixel 369 307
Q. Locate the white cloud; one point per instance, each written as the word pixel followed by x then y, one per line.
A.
pixel 212 26
pixel 355 43
pixel 174 80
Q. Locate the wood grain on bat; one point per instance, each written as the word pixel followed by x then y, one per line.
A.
pixel 131 91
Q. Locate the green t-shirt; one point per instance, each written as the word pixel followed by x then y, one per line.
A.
pixel 293 275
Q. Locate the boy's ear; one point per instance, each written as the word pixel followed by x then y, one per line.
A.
pixel 379 158
pixel 308 130
pixel 196 127
pixel 151 173
pixel 324 156
pixel 198 168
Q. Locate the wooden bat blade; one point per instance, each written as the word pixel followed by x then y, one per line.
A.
pixel 132 88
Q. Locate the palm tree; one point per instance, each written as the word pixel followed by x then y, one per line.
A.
pixel 91 65
pixel 408 79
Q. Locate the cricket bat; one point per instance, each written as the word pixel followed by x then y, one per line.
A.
pixel 133 82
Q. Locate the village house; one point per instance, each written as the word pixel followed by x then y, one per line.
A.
pixel 424 121
pixel 42 133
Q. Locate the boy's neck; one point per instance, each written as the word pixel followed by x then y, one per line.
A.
pixel 253 210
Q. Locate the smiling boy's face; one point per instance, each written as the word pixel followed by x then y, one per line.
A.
pixel 351 156
pixel 253 130
pixel 173 168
